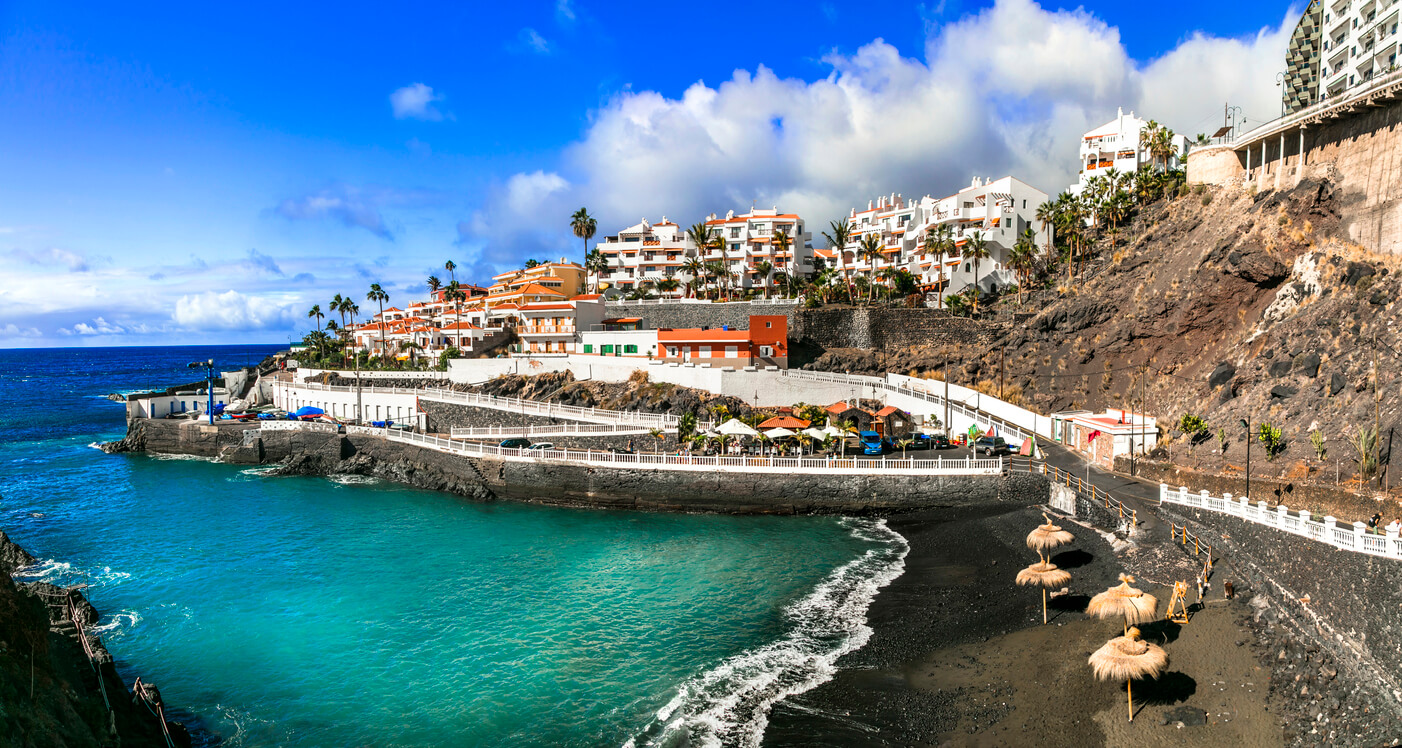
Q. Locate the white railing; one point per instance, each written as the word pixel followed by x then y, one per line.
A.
pixel 1008 431
pixel 510 404
pixel 297 426
pixel 831 376
pixel 683 462
pixel 1353 537
pixel 559 429
pixel 653 302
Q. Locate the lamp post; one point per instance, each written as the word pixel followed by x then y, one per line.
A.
pixel 208 367
pixel 1280 83
pixel 1245 424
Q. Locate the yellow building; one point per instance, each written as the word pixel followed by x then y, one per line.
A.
pixel 566 279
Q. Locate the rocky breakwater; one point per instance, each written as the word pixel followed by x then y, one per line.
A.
pixel 1329 622
pixel 51 692
pixel 578 484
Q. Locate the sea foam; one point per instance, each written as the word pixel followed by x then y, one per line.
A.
pixel 730 703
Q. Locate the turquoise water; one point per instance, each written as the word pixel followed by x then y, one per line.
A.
pixel 305 611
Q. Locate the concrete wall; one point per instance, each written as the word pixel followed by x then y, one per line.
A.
pixel 1220 165
pixel 319 453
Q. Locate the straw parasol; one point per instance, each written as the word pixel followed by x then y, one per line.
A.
pixel 1134 605
pixel 1126 658
pixel 1046 575
pixel 1047 537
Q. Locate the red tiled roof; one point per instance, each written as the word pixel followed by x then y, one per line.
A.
pixel 785 422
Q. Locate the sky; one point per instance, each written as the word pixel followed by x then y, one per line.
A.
pixel 185 174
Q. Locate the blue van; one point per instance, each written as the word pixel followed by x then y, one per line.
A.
pixel 872 443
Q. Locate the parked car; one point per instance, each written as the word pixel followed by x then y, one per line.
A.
pixel 992 446
pixel 940 441
pixel 872 443
pixel 516 443
pixel 920 441
pixel 542 445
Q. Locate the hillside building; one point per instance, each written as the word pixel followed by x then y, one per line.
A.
pixel 1117 145
pixel 749 240
pixel 1336 46
pixel 643 256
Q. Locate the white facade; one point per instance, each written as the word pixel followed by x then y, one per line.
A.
pixel 1116 145
pixel 997 210
pixel 749 241
pixel 1360 42
pixel 554 327
pixel 645 254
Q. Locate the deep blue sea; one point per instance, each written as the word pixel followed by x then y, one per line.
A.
pixel 317 612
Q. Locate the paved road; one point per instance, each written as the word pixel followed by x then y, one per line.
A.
pixel 1140 495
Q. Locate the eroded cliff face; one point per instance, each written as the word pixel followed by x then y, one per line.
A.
pixel 1229 305
pixel 49 691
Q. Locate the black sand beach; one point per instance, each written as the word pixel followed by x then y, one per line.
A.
pixel 959 656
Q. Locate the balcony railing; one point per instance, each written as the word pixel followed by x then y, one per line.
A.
pixel 545 329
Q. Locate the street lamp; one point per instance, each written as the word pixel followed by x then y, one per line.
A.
pixel 1247 425
pixel 1280 83
pixel 209 372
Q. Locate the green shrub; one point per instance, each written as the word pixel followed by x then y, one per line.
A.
pixel 1317 441
pixel 1271 437
pixel 1206 199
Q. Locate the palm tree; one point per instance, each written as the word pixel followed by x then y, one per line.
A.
pixel 841 234
pixel 595 264
pixel 379 296
pixel 456 295
pixel 584 226
pixel 668 285
pixel 781 244
pixel 433 285
pixel 316 313
pixel 976 249
pixel 1046 214
pixel 762 269
pixel 450 267
pixel 1021 258
pixel 869 249
pixel 694 268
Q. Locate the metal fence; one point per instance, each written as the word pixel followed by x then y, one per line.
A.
pixel 1353 537
pixel 561 429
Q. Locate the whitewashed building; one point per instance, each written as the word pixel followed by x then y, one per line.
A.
pixel 749 241
pixel 645 254
pixel 1116 145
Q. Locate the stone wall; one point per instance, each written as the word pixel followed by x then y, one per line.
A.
pixel 736 315
pixel 322 453
pixel 1220 165
pixel 443 417
pixel 1354 608
pixel 886 327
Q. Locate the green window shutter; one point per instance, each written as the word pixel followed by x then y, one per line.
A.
pixel 588 347
pixel 608 349
pixel 630 349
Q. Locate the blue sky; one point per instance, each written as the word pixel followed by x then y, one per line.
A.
pixel 186 174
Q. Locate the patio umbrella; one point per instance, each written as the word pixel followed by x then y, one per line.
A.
pixel 736 427
pixel 1126 658
pixel 1046 575
pixel 818 434
pixel 1134 605
pixel 831 430
pixel 778 433
pixel 1047 537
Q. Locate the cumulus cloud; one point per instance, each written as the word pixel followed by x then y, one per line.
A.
pixel 1006 90
pixel 263 263
pixel 564 12
pixel 99 326
pixel 498 234
pixel 232 310
pixel 415 101
pixel 12 330
pixel 349 206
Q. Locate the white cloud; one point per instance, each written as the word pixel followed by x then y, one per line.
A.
pixel 564 12
pixel 501 233
pixel 415 101
pixel 232 310
pixel 532 41
pixel 349 206
pixel 12 330
pixel 1006 90
pixel 53 256
pixel 99 326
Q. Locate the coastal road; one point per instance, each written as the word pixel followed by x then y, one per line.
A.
pixel 1138 494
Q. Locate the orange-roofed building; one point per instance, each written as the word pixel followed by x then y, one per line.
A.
pixel 643 256
pixel 744 241
pixel 785 422
pixel 564 278
pixel 764 344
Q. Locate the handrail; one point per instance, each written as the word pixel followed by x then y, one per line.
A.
pixel 1084 488
pixel 970 466
pixel 1350 538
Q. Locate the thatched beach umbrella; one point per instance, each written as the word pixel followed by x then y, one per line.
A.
pixel 1046 575
pixel 1126 658
pixel 1134 605
pixel 1047 537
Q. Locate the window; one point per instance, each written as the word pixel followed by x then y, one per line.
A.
pixel 630 349
pixel 768 324
pixel 766 351
pixel 731 351
pixel 735 233
pixel 588 347
pixel 607 349
pixel 735 247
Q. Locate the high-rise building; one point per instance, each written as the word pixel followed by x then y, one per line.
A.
pixel 1302 56
pixel 1357 42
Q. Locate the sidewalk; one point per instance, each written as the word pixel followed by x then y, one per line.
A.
pixel 1136 493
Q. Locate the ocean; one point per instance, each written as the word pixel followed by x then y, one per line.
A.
pixel 332 612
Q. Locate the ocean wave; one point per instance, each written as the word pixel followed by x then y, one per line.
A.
pixel 257 472
pixel 352 480
pixel 117 624
pixel 162 456
pixel 63 574
pixel 44 571
pixel 730 703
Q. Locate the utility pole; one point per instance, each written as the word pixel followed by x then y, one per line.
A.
pixel 947 432
pixel 1246 424
pixel 1000 371
pixel 1143 410
pixel 1377 437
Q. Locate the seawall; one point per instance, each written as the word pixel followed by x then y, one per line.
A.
pixel 1337 621
pixel 488 478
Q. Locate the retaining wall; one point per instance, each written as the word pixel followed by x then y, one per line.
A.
pixel 316 452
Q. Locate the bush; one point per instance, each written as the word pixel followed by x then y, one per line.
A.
pixel 638 377
pixel 1207 199
pixel 1317 441
pixel 1273 440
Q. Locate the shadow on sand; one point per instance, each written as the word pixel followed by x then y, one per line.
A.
pixel 1160 632
pixel 1072 559
pixel 1169 688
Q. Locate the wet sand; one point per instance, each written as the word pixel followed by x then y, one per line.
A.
pixel 959 656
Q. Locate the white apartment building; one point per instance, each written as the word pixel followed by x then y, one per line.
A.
pixel 643 255
pixel 1116 145
pixel 749 241
pixel 554 327
pixel 996 210
pixel 1356 42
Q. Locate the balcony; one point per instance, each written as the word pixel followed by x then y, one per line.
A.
pixel 545 330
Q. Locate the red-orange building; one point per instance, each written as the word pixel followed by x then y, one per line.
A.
pixel 766 343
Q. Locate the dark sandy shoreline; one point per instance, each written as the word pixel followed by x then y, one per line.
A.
pixel 958 655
